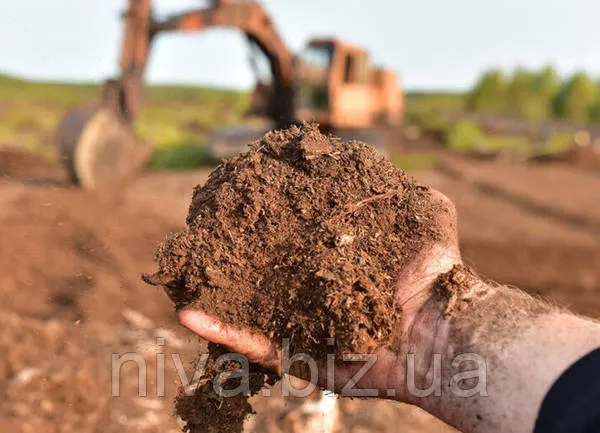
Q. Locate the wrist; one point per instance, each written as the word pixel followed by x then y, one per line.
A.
pixel 506 347
pixel 429 333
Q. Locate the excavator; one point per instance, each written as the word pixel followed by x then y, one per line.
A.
pixel 330 82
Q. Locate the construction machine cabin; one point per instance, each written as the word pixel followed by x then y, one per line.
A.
pixel 337 86
pixel 330 82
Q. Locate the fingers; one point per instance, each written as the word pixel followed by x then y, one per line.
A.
pixel 259 349
pixel 255 347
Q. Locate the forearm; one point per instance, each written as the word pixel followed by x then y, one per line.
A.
pixel 514 347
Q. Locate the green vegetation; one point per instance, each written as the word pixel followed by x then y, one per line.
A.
pixel 525 94
pixel 558 143
pixel 183 157
pixel 416 161
pixel 173 119
pixel 536 95
pixel 489 94
pixel 17 91
pixel 467 137
pixel 434 101
pixel 533 96
pixel 464 136
pixel 576 99
pixel 545 88
pixel 430 111
pixel 515 144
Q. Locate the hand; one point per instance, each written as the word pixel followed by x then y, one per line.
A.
pixel 416 334
pixel 525 344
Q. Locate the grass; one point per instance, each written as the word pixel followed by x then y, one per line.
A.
pixel 437 113
pixel 559 142
pixel 173 118
pixel 467 137
pixel 431 111
pixel 504 143
pixel 416 161
pixel 185 157
pixel 425 102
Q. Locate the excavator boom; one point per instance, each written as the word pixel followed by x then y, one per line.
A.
pixel 334 84
pixel 248 17
pixel 99 148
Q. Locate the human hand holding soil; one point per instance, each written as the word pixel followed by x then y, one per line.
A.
pixel 526 343
pixel 415 288
pixel 310 239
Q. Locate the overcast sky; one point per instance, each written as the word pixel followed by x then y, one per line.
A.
pixel 433 44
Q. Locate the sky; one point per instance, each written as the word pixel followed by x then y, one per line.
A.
pixel 432 44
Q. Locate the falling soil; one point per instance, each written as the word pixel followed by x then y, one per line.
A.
pixel 302 237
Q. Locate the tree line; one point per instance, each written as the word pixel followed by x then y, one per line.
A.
pixel 536 95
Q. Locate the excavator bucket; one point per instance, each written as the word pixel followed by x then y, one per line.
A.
pixel 98 149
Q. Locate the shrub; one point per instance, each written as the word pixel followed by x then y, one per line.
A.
pixel 576 99
pixel 415 161
pixel 489 94
pixel 522 99
pixel 464 136
pixel 547 84
pixel 187 156
pixel 558 142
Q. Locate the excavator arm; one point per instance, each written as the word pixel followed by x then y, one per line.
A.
pixel 247 16
pixel 99 147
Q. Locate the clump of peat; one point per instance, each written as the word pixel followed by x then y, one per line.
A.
pixel 302 237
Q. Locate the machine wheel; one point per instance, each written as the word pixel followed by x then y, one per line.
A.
pixel 98 149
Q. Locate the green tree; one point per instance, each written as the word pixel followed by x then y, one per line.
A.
pixel 488 95
pixel 547 82
pixel 546 85
pixel 576 99
pixel 521 98
pixel 595 111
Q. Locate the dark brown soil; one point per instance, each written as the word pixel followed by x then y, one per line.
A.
pixel 302 238
pixel 207 411
pixel 55 375
pixel 451 287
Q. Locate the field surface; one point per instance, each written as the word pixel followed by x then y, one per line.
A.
pixel 71 294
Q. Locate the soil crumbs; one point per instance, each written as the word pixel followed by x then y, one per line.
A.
pixel 299 238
